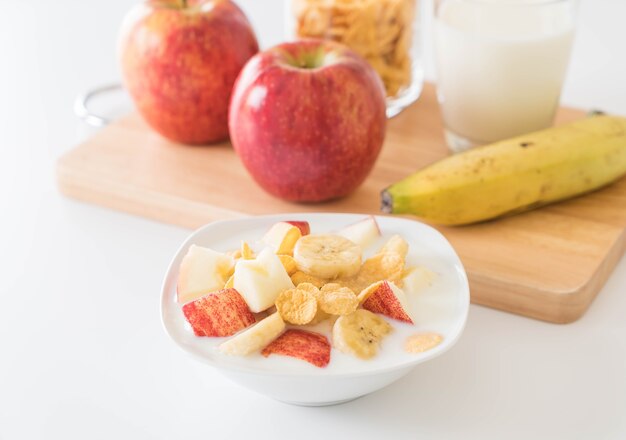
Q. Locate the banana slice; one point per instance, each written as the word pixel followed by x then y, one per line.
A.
pixel 255 338
pixel 327 256
pixel 360 333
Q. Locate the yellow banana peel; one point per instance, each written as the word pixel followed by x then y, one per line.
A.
pixel 514 175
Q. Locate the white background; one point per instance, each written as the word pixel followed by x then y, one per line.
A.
pixel 82 352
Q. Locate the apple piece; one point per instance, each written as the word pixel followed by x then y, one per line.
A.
pixel 311 347
pixel 282 237
pixel 307 119
pixel 260 281
pixel 221 313
pixel 202 271
pixel 364 232
pixel 387 299
pixel 418 279
pixel 305 228
pixel 179 61
pixel 254 338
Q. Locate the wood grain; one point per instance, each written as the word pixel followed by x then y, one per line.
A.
pixel 547 264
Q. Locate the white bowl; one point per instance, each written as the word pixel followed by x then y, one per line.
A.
pixel 441 308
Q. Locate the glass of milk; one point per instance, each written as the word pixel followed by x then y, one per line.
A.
pixel 500 66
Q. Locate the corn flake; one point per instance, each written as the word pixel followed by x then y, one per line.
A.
pixel 421 342
pixel 300 277
pixel 383 266
pixel 381 31
pixel 246 251
pixel 396 245
pixel 335 299
pixel 320 315
pixel 297 306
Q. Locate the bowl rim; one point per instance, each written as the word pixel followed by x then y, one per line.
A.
pixel 323 373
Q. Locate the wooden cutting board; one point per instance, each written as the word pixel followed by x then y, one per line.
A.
pixel 547 264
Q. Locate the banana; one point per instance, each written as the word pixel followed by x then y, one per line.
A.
pixel 514 175
pixel 255 338
pixel 327 256
pixel 360 333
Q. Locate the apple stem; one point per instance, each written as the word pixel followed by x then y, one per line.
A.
pixel 183 4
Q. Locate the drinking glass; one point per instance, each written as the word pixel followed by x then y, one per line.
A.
pixel 500 66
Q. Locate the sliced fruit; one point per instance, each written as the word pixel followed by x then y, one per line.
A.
pixel 289 264
pixel 327 256
pixel 300 277
pixel 363 232
pixel 387 299
pixel 297 306
pixel 282 237
pixel 202 271
pixel 308 346
pixel 337 300
pixel 396 245
pixel 254 338
pixel 369 290
pixel 261 280
pixel 305 228
pixel 360 333
pixel 221 313
pixel 418 279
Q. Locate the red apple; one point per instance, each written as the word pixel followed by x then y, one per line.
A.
pixel 180 59
pixel 221 313
pixel 301 344
pixel 282 237
pixel 305 228
pixel 364 232
pixel 387 299
pixel 307 119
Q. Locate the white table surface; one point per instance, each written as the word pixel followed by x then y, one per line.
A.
pixel 82 352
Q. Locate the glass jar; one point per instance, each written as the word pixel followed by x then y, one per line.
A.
pixel 387 33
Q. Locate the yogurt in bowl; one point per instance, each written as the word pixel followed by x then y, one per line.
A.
pixel 440 306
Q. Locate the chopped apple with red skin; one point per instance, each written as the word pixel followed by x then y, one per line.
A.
pixel 363 232
pixel 305 228
pixel 261 280
pixel 282 237
pixel 311 347
pixel 221 313
pixel 387 299
pixel 202 271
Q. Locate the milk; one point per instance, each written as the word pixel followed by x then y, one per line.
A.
pixel 436 306
pixel 500 66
